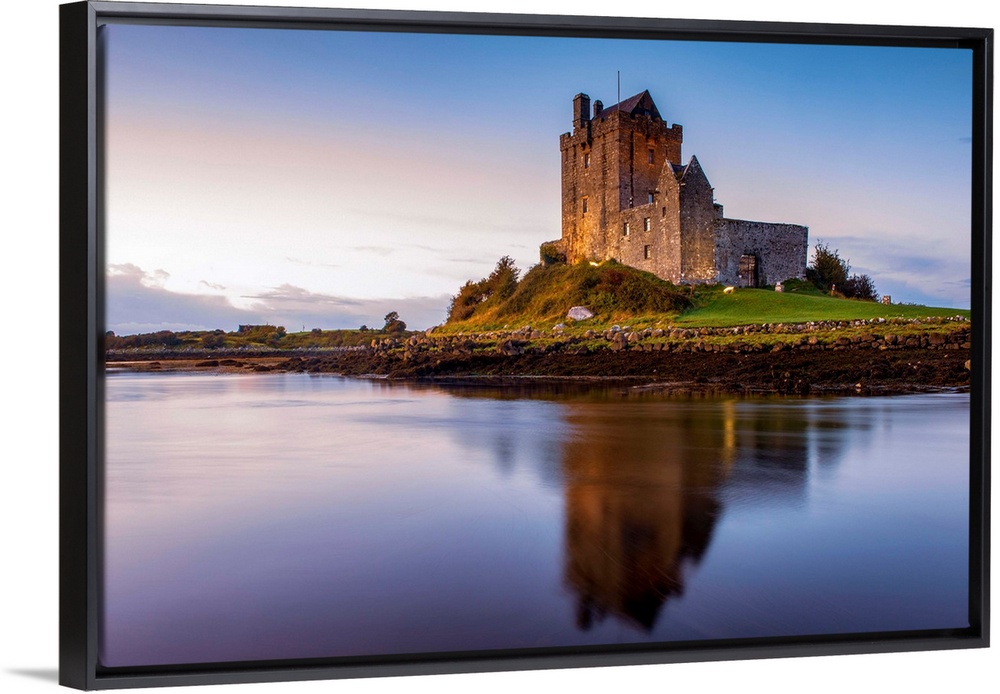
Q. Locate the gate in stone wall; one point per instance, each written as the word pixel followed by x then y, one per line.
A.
pixel 748 271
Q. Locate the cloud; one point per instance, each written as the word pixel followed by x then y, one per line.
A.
pixel 296 307
pixel 212 285
pixel 311 263
pixel 466 260
pixel 136 303
pixel 156 278
pixel 288 295
pixel 916 270
pixel 378 250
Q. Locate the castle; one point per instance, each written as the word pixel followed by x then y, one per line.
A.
pixel 627 197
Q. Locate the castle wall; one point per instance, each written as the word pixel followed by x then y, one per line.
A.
pixel 607 176
pixel 589 191
pixel 781 250
pixel 618 169
pixel 640 139
pixel 697 218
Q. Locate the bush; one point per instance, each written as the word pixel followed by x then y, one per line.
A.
pixel 551 253
pixel 213 340
pixel 828 270
pixel 501 283
pixel 393 325
pixel 860 287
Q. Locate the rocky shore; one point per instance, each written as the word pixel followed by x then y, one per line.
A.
pixel 859 357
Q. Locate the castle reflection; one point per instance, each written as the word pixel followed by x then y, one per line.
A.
pixel 645 477
pixel 645 486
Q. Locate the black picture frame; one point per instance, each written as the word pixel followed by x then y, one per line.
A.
pixel 81 331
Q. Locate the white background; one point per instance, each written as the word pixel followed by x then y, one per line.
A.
pixel 29 458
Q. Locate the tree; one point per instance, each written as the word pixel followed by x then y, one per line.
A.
pixel 213 340
pixel 464 303
pixel 393 324
pixel 500 283
pixel 503 280
pixel 860 287
pixel 828 270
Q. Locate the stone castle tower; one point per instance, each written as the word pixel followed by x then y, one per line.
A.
pixel 626 196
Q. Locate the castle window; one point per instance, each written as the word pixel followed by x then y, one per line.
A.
pixel 664 212
pixel 651 155
pixel 586 160
pixel 626 229
pixel 650 197
pixel 647 252
pixel 646 225
pixel 584 204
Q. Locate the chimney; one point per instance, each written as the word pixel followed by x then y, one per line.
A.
pixel 598 107
pixel 581 110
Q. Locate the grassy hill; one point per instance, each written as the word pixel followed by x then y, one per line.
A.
pixel 621 294
pixel 746 306
pixel 614 293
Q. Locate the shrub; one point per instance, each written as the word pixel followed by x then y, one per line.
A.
pixel 393 325
pixel 860 287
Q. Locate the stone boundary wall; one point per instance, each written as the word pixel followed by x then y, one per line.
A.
pixel 781 250
pixel 878 334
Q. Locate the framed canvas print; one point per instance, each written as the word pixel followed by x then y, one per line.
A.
pixel 424 342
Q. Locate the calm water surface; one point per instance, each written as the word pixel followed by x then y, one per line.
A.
pixel 291 516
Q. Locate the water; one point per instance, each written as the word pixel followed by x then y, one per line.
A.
pixel 294 516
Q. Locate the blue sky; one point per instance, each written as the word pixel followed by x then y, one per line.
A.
pixel 322 179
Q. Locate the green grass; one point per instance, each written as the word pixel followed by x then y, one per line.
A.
pixel 756 306
pixel 620 294
pixel 614 292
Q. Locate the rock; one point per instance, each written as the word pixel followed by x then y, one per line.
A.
pixel 511 347
pixel 559 327
pixel 580 313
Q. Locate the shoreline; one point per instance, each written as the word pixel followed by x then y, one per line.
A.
pixel 789 372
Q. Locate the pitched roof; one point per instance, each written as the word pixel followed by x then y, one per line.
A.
pixel 640 103
pixel 692 169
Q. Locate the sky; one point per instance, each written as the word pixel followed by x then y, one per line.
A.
pixel 324 178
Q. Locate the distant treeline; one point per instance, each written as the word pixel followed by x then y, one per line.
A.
pixel 254 337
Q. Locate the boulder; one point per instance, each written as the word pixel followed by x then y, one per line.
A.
pixel 580 313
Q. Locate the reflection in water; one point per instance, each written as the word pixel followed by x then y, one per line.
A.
pixel 642 494
pixel 290 516
pixel 646 479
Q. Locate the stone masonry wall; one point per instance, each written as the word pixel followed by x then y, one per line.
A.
pixel 617 170
pixel 606 167
pixel 697 214
pixel 781 250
